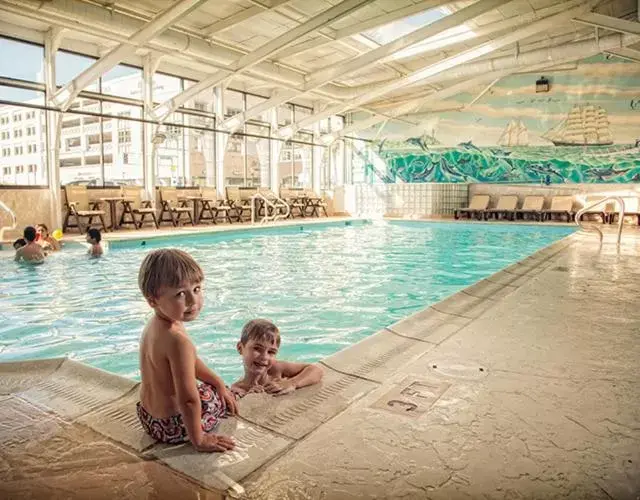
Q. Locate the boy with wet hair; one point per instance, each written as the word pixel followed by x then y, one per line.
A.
pixel 94 238
pixel 19 243
pixel 181 400
pixel 31 252
pixel 258 346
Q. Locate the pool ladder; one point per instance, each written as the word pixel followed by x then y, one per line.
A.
pixel 14 221
pixel 596 229
pixel 274 205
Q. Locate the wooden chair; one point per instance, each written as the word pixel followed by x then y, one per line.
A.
pixel 296 199
pixel 212 208
pixel 478 205
pixel 171 206
pixel 235 200
pixel 315 203
pixel 560 206
pixel 273 198
pixel 505 208
pixel 133 205
pixel 532 206
pixel 79 206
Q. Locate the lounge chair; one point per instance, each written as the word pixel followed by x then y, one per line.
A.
pixel 171 206
pixel 296 199
pixel 631 209
pixel 133 205
pixel 236 201
pixel 272 197
pixel 212 208
pixel 532 206
pixel 505 207
pixel 478 205
pixel 79 207
pixel 603 210
pixel 560 206
pixel 315 203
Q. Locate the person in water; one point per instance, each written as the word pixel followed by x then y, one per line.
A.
pixel 31 252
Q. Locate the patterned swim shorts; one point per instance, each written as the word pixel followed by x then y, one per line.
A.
pixel 172 430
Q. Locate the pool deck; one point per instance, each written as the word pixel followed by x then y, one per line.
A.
pixel 524 385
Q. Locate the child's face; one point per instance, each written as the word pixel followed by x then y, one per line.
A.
pixel 42 232
pixel 258 355
pixel 183 303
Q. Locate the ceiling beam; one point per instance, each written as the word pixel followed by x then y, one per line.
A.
pixel 64 97
pixel 344 8
pixel 609 23
pixel 441 66
pixel 625 53
pixel 375 56
pixel 241 16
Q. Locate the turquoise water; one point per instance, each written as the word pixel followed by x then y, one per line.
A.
pixel 326 288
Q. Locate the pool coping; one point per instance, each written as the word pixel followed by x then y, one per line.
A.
pixel 268 426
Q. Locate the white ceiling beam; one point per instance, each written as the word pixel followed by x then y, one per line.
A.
pixel 359 27
pixel 441 66
pixel 609 23
pixel 241 16
pixel 325 75
pixel 625 53
pixel 162 111
pixel 158 24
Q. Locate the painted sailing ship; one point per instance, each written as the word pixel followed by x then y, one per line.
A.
pixel 516 134
pixel 586 125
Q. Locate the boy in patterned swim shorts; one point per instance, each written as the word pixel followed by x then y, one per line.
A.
pixel 181 400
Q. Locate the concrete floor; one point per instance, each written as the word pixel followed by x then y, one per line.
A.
pixel 525 385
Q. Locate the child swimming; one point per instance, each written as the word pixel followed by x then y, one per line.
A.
pixel 181 400
pixel 31 252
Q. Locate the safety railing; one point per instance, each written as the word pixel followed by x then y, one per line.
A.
pixel 594 228
pixel 268 203
pixel 14 221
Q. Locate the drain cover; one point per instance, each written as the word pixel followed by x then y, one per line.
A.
pixel 412 397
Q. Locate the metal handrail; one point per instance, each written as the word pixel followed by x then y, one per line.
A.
pixel 280 203
pixel 13 219
pixel 596 229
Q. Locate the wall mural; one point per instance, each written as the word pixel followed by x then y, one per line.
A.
pixel 586 129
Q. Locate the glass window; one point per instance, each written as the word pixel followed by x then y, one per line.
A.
pixel 200 157
pixel 123 81
pixel 285 115
pixel 302 165
pixel 121 141
pixel 233 103
pixel 301 113
pixel 20 60
pixel 234 161
pixel 204 101
pixel 258 166
pixel 285 165
pixel 165 87
pixel 253 100
pixel 170 166
pixel 69 65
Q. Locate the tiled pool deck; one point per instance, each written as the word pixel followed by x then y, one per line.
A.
pixel 524 385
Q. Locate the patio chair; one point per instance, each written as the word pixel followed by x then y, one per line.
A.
pixel 241 204
pixel 560 206
pixel 603 210
pixel 212 208
pixel 295 199
pixel 478 205
pixel 134 205
pixel 505 208
pixel 171 206
pixel 532 206
pixel 78 206
pixel 273 198
pixel 631 209
pixel 315 203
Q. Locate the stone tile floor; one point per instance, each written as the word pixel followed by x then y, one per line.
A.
pixel 525 385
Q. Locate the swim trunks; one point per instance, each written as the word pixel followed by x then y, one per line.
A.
pixel 172 430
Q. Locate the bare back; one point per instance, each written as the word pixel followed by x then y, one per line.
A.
pixel 157 389
pixel 32 252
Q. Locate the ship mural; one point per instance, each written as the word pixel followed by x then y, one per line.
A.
pixel 585 130
pixel 584 126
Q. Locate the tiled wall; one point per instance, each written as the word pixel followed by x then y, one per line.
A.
pixel 31 207
pixel 405 200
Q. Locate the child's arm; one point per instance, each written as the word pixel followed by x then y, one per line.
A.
pixel 207 375
pixel 182 361
pixel 295 376
pixel 18 254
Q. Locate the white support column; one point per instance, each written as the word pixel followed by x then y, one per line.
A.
pixel 275 147
pixel 316 155
pixel 52 41
pixel 221 141
pixel 150 65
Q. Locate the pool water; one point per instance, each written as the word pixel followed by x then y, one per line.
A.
pixel 325 287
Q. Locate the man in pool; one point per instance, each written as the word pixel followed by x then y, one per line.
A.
pixel 31 252
pixel 174 407
pixel 258 346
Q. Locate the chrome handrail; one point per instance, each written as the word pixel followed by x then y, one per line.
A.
pixel 13 219
pixel 596 228
pixel 280 203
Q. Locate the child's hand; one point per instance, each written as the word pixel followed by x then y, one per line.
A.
pixel 228 401
pixel 215 442
pixel 280 387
